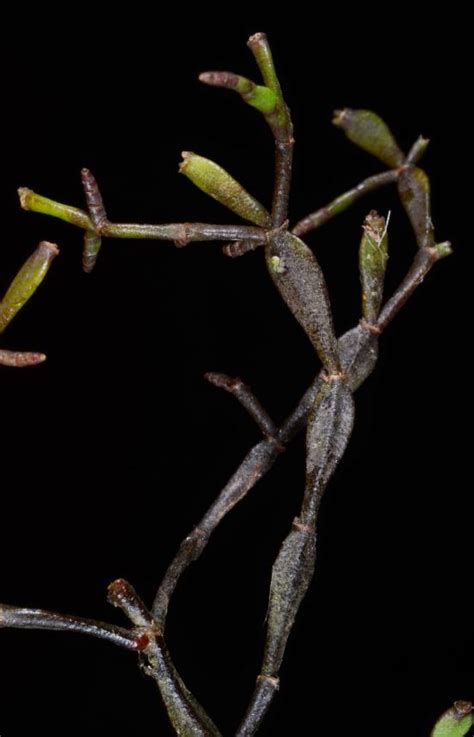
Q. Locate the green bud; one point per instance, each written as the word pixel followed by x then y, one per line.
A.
pixel 455 722
pixel 217 183
pixel 373 255
pixel 414 190
pixel 26 282
pixel 368 130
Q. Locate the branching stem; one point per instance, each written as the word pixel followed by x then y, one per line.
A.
pixel 326 409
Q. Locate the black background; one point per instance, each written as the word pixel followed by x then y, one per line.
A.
pixel 113 449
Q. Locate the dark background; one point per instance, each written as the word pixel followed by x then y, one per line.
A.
pixel 113 449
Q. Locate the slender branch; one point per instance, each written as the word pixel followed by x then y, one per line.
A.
pixel 249 401
pixel 184 233
pixel 180 233
pixel 39 619
pixel 341 203
pixel 257 462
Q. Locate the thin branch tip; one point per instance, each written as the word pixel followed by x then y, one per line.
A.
pixel 222 381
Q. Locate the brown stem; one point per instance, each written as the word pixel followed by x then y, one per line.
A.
pixel 255 465
pixel 184 233
pixel 39 619
pixel 249 401
pixel 281 189
pixel 424 260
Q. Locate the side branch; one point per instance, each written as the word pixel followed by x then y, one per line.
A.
pixel 180 233
pixel 39 619
pixel 341 203
pixel 249 401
